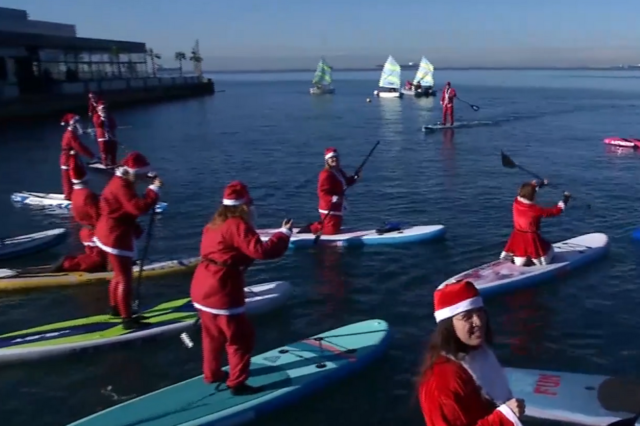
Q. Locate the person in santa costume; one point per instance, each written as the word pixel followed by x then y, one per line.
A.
pixel 85 210
pixel 105 126
pixel 117 229
pixel 526 246
pixel 229 246
pixel 462 383
pixel 71 142
pixel 93 104
pixel 332 183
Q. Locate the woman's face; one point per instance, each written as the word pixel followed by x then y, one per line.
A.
pixel 470 326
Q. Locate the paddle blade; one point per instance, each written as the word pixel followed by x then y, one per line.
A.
pixel 317 238
pixel 507 161
pixel 475 107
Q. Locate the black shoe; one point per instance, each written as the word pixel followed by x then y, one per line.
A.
pixel 140 317
pixel 132 324
pixel 57 267
pixel 305 229
pixel 245 389
pixel 113 311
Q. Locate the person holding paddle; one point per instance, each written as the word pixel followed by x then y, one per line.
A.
pixel 230 244
pixel 106 126
pixel 525 242
pixel 446 100
pixel 71 142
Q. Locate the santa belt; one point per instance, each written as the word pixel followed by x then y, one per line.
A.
pixel 221 264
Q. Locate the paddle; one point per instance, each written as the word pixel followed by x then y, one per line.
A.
pixel 145 251
pixel 510 164
pixel 357 173
pixel 629 421
pixel 473 107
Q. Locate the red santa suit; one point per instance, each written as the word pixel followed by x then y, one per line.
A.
pixel 71 142
pixel 105 126
pixel 93 104
pixel 117 230
pixel 464 389
pixel 446 100
pixel 217 289
pixel 85 210
pixel 525 241
pixel 332 184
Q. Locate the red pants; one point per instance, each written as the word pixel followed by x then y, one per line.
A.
pixel 447 110
pixel 86 262
pixel 67 186
pixel 121 285
pixel 108 152
pixel 236 334
pixel 331 225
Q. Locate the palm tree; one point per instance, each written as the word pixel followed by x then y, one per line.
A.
pixel 197 60
pixel 180 56
pixel 153 56
pixel 114 58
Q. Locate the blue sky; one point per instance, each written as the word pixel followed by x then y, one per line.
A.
pixel 280 34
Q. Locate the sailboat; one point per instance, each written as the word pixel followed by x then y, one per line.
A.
pixel 424 77
pixel 390 80
pixel 322 80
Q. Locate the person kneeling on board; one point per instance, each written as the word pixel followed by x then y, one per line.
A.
pixel 85 210
pixel 462 382
pixel 71 142
pixel 229 245
pixel 525 242
pixel 117 229
pixel 332 183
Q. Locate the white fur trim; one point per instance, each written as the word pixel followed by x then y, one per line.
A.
pixel 330 212
pixel 335 198
pixel 64 167
pixel 509 415
pixel 451 311
pixel 230 202
pixel 155 189
pixel 524 200
pixel 231 311
pixel 112 250
pixel 331 155
pixel 561 205
pixel 139 171
pixel 90 244
pixel 77 184
pixel 285 231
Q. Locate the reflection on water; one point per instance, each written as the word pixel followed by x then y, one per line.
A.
pixel 391 128
pixel 525 323
pixel 449 158
pixel 330 269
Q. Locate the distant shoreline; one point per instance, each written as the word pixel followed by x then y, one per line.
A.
pixel 632 68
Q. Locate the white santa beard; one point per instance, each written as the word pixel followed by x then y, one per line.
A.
pixel 488 374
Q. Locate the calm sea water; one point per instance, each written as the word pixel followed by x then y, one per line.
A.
pixel 268 131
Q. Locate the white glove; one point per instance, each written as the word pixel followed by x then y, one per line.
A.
pixel 335 199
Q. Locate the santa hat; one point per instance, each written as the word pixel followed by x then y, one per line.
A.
pixel 236 194
pixel 76 168
pixel 452 299
pixel 136 163
pixel 69 119
pixel 330 152
pixel 101 106
pixel 92 95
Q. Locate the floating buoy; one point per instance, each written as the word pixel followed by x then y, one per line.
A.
pixel 369 100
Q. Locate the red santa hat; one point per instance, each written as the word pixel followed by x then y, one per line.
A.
pixel 69 119
pixel 330 152
pixel 101 106
pixel 236 194
pixel 452 299
pixel 92 95
pixel 136 163
pixel 77 171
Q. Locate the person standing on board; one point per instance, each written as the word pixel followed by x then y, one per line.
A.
pixel 117 230
pixel 93 104
pixel 525 242
pixel 86 211
pixel 71 142
pixel 332 183
pixel 446 100
pixel 462 382
pixel 229 245
pixel 105 126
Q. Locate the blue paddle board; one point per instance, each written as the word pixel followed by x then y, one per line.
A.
pixel 286 373
pixel 575 398
pixel 32 243
pixel 459 125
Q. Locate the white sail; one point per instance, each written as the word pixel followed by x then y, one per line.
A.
pixel 390 77
pixel 424 75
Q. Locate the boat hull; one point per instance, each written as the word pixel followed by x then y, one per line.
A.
pixel 322 90
pixel 388 94
pixel 419 94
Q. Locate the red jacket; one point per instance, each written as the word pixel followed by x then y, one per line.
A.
pixel 120 206
pixel 525 240
pixel 85 206
pixel 227 251
pixel 331 186
pixel 105 127
pixel 447 96
pixel 71 142
pixel 93 106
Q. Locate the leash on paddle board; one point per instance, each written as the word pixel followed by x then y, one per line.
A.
pixel 510 164
pixel 145 251
pixel 473 107
pixel 629 421
pixel 357 173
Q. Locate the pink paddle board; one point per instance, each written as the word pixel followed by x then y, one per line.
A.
pixel 623 142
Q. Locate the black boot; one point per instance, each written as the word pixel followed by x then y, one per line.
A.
pixel 113 311
pixel 245 389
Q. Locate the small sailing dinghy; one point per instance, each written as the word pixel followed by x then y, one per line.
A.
pixel 322 80
pixel 389 80
pixel 423 78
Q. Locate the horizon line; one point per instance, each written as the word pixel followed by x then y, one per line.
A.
pixel 558 68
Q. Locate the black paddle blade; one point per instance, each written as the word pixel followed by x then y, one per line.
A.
pixel 475 107
pixel 507 161
pixel 630 421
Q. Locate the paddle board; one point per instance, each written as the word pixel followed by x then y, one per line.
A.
pixel 29 278
pixel 575 398
pixel 461 124
pixel 102 330
pixel 502 275
pixel 287 374
pixel 623 142
pixel 56 200
pixel 102 168
pixel 32 243
pixel 359 238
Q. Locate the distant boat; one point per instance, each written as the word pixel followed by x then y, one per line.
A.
pixel 409 66
pixel 424 77
pixel 322 79
pixel 390 79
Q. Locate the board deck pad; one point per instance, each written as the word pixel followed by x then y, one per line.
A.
pixel 575 398
pixel 285 373
pixel 458 125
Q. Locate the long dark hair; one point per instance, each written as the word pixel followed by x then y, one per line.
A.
pixel 227 212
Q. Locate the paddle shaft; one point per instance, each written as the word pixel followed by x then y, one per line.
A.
pixel 473 107
pixel 145 251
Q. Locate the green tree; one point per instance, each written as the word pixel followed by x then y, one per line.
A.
pixel 180 56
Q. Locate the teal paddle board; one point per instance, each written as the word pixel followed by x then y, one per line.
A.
pixel 103 330
pixel 286 373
